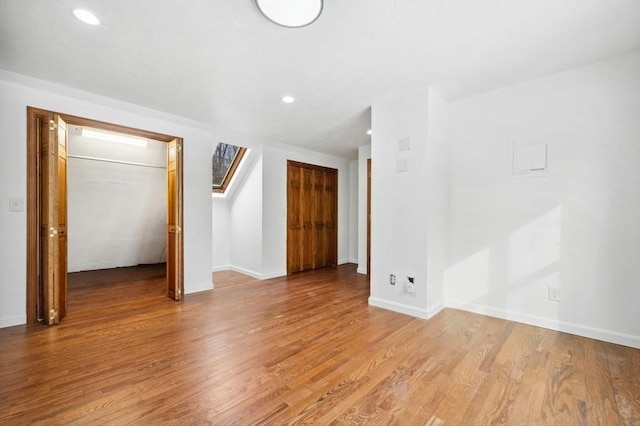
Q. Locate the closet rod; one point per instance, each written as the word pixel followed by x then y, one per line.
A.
pixel 105 160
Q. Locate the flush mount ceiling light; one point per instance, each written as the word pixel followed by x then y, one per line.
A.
pixel 291 13
pixel 114 137
pixel 86 17
pixel 287 99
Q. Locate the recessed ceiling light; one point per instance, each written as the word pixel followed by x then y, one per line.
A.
pixel 287 99
pixel 291 13
pixel 86 17
pixel 369 132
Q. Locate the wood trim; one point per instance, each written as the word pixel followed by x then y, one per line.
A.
pixel 33 167
pixel 175 265
pixel 312 167
pixel 33 223
pixel 369 217
pixel 231 171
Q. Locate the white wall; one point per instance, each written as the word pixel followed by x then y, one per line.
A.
pixel 245 214
pixel 221 235
pixel 576 227
pixel 438 167
pixel 400 203
pixel 364 153
pixel 116 212
pixel 18 92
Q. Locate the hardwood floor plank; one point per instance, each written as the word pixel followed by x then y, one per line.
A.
pixel 305 349
pixel 624 366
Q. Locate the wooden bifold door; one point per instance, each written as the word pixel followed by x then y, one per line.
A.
pixel 47 211
pixel 312 217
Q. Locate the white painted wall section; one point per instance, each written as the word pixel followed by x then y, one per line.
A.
pixel 576 227
pixel 438 166
pixel 399 202
pixel 245 217
pixel 221 235
pixel 117 213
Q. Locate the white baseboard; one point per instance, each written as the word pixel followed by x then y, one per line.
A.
pixel 249 272
pixel 257 275
pixel 220 268
pixel 551 324
pixel 362 270
pixel 343 261
pixel 199 288
pixel 405 309
pixel 435 309
pixel 270 275
pixel 11 321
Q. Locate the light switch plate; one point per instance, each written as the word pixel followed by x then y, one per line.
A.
pixel 404 144
pixel 530 159
pixel 16 204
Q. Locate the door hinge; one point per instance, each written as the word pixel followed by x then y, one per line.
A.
pixel 178 148
pixel 52 232
pixel 52 125
pixel 53 316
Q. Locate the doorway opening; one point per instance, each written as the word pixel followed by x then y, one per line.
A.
pixel 47 158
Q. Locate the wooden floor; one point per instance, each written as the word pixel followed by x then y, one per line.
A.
pixel 305 350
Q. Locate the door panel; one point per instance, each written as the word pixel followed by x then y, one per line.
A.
pixel 175 274
pixel 62 217
pixel 311 217
pixel 317 208
pixel 294 224
pixel 330 211
pixel 53 220
pixel 306 212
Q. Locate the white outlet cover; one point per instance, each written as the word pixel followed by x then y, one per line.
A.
pixel 554 294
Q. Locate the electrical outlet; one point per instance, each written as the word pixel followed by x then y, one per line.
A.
pixel 554 293
pixel 392 279
pixel 411 285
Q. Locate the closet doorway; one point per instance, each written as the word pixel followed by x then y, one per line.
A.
pixel 47 146
pixel 312 217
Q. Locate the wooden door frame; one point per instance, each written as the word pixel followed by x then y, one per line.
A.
pixel 33 207
pixel 369 218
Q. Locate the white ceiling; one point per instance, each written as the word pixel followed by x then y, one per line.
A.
pixel 221 62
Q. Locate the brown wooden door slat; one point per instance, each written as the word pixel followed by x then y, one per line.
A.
pixel 53 219
pixel 175 277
